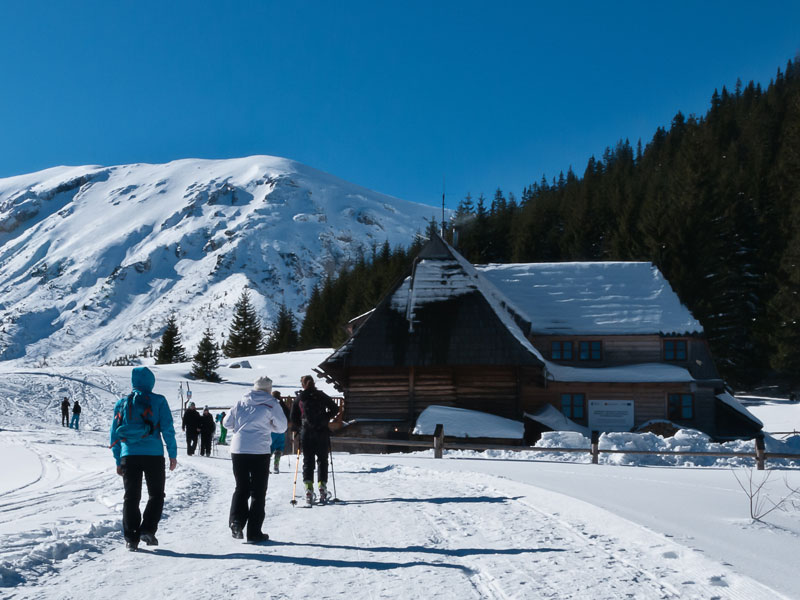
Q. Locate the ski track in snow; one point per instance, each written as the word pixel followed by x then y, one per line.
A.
pixel 400 530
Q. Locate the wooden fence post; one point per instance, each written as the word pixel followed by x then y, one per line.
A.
pixel 438 441
pixel 760 451
pixel 595 447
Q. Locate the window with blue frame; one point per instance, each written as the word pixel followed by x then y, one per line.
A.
pixel 574 407
pixel 561 350
pixel 590 350
pixel 675 350
pixel 681 406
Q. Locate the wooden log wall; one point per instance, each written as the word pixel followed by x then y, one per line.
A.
pixel 405 393
pixel 617 349
pixel 488 389
pixel 377 394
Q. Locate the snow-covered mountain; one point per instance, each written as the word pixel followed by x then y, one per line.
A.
pixel 93 259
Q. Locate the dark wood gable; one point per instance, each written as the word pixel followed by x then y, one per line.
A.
pixel 444 327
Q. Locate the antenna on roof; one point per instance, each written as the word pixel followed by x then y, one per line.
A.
pixel 443 188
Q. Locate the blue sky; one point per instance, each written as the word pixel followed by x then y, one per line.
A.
pixel 391 96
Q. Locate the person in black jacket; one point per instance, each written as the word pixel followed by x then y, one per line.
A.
pixel 311 413
pixel 65 412
pixel 191 425
pixel 207 429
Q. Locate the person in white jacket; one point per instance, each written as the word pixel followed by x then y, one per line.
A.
pixel 252 420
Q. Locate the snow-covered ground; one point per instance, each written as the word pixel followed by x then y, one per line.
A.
pixel 474 525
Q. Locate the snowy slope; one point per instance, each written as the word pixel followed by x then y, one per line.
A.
pixel 93 259
pixel 470 526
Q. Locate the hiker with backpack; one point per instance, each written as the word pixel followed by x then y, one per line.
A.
pixel 251 421
pixel 279 439
pixel 76 416
pixel 141 420
pixel 191 423
pixel 65 412
pixel 207 429
pixel 311 413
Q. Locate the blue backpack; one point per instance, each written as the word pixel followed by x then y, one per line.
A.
pixel 135 417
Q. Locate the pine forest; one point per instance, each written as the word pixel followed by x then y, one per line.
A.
pixel 713 201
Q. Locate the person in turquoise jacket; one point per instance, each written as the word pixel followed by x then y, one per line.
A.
pixel 141 420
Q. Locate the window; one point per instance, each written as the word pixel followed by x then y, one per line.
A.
pixel 675 350
pixel 590 350
pixel 561 350
pixel 574 406
pixel 681 406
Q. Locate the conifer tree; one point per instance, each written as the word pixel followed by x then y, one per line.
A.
pixel 206 360
pixel 284 337
pixel 170 351
pixel 313 331
pixel 245 337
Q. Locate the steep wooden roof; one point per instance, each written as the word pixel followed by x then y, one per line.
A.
pixel 443 313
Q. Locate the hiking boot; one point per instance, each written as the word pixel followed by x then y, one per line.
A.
pixel 309 497
pixel 257 538
pixel 323 494
pixel 132 546
pixel 149 539
pixel 236 531
pixel 276 470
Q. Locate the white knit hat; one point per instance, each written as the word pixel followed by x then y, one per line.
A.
pixel 263 384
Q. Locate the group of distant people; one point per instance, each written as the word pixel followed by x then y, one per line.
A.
pixel 76 414
pixel 196 425
pixel 258 423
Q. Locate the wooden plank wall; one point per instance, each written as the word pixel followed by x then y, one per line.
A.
pixel 488 389
pixel 405 393
pixel 617 349
pixel 433 386
pixel 372 394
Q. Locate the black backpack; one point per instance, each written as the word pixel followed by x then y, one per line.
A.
pixel 314 411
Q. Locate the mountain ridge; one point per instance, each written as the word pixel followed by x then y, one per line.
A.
pixel 93 258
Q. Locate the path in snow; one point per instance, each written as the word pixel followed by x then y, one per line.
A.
pixel 400 531
pixel 408 527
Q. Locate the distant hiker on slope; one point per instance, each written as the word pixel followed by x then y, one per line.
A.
pixel 65 412
pixel 251 420
pixel 311 413
pixel 76 415
pixel 223 432
pixel 207 429
pixel 278 439
pixel 141 420
pixel 191 425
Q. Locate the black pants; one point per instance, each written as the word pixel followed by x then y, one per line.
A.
pixel 191 442
pixel 315 445
pixel 64 418
pixel 205 444
pixel 133 467
pixel 251 472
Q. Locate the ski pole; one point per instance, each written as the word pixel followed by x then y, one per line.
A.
pixel 294 485
pixel 333 473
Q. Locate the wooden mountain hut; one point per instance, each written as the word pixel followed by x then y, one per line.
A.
pixel 609 345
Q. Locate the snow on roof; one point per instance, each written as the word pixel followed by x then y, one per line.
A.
pixel 737 406
pixel 556 420
pixel 578 298
pixel 438 280
pixel 460 422
pixel 640 373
